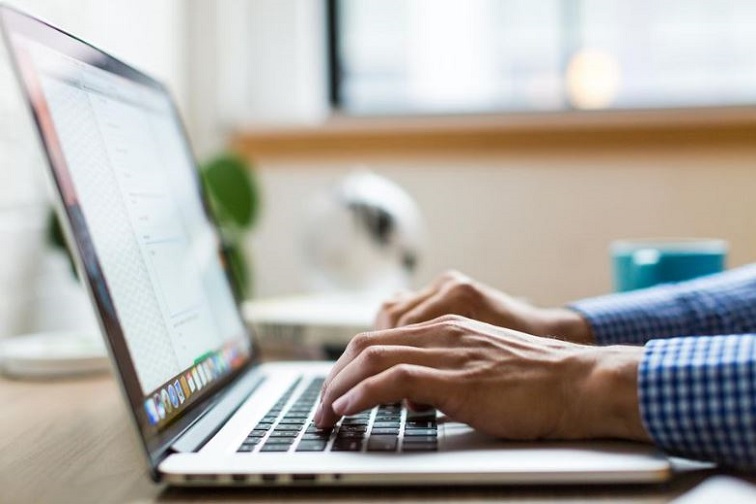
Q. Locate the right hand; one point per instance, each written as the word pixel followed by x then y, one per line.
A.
pixel 456 294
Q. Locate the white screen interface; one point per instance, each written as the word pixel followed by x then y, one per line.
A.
pixel 134 182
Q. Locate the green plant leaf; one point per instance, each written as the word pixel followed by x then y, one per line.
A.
pixel 232 190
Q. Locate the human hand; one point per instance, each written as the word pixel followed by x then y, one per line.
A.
pixel 502 382
pixel 456 294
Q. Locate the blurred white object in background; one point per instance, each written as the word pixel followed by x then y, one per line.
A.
pixel 312 326
pixel 365 234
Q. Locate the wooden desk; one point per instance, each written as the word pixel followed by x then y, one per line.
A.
pixel 70 441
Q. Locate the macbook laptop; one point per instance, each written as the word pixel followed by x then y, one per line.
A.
pixel 207 411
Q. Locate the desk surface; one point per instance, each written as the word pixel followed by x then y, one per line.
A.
pixel 69 441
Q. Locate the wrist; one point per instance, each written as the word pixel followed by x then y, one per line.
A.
pixel 566 324
pixel 607 395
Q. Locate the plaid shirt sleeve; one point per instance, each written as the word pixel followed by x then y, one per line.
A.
pixel 697 393
pixel 698 397
pixel 718 304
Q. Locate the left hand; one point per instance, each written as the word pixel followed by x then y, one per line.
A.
pixel 502 382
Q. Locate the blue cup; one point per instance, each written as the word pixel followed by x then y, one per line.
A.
pixel 644 263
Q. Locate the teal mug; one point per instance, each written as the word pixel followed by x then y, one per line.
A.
pixel 639 264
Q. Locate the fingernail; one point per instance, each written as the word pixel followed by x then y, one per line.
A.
pixel 340 405
pixel 318 414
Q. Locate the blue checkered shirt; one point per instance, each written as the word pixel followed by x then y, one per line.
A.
pixel 697 379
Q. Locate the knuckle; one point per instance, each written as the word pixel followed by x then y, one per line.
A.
pixel 387 306
pixel 359 342
pixel 404 373
pixel 373 355
pixel 465 290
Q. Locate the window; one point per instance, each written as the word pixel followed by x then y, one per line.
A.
pixel 477 56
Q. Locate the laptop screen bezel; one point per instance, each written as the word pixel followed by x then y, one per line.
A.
pixel 15 23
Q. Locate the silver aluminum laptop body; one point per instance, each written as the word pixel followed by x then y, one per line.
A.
pixel 148 252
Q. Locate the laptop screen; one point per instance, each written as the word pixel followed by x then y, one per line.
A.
pixel 132 197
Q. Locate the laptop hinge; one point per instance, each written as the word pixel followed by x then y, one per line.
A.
pixel 211 422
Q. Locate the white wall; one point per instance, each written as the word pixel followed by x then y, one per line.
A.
pixel 537 226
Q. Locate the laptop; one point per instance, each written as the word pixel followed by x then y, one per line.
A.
pixel 207 410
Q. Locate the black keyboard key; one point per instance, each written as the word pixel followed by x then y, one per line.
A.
pixel 263 426
pixel 251 441
pixel 258 433
pixel 350 435
pixel 305 408
pixel 352 445
pixel 275 447
pixel 419 432
pixel 384 431
pixel 292 429
pixel 419 447
pixel 382 425
pixel 311 446
pixel 278 440
pixel 355 421
pixel 419 439
pixel 352 428
pixel 283 434
pixel 382 443
pixel 420 424
pixel 291 421
pixel 315 436
pixel 387 418
pixel 315 428
pixel 245 448
pixel 297 415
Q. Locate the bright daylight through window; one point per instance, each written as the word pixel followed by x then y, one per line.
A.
pixel 477 56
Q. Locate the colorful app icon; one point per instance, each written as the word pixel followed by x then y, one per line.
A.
pixel 181 396
pixel 190 381
pixel 201 372
pixel 197 379
pixel 173 395
pixel 185 386
pixel 208 371
pixel 166 401
pixel 151 409
pixel 220 364
pixel 159 404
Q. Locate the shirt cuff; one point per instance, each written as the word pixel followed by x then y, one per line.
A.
pixel 635 317
pixel 697 397
pixel 718 304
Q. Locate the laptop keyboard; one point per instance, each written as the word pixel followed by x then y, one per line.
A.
pixel 386 428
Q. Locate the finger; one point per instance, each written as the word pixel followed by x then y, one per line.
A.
pixel 391 311
pixel 415 335
pixel 373 361
pixel 405 381
pixel 433 307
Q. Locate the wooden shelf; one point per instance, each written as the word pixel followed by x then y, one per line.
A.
pixel 514 133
